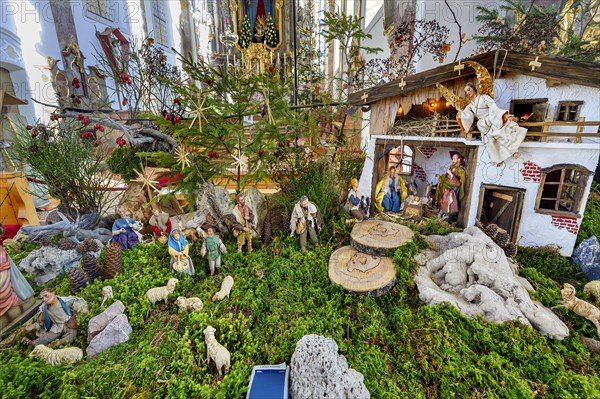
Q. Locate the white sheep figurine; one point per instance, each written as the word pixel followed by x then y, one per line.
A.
pixel 592 289
pixel 225 289
pixel 161 293
pixel 186 304
pixel 54 357
pixel 217 352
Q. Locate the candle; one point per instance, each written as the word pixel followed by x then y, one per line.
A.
pixel 234 60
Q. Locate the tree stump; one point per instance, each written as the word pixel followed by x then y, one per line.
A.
pixel 361 273
pixel 379 238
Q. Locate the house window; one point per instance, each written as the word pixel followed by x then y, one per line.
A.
pixel 568 110
pixel 401 157
pixel 561 189
pixel 99 7
pixel 160 22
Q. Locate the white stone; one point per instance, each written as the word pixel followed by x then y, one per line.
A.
pixel 318 371
pixel 472 273
pixel 116 332
pixel 99 322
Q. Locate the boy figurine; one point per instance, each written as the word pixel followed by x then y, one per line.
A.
pixel 242 224
pixel 306 220
pixel 212 248
pixel 57 314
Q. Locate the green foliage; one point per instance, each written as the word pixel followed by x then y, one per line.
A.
pixel 347 29
pixel 550 263
pixel 216 137
pixel 569 30
pixel 245 34
pixel 124 162
pixel 271 36
pixel 402 348
pixel 68 156
pixel 590 225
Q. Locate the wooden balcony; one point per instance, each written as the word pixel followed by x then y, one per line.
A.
pixel 537 131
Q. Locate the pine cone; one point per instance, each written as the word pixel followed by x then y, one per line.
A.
pixel 91 267
pixel 267 230
pixel 77 279
pixel 66 244
pixel 113 261
pixel 510 250
pixel 91 245
pixel 491 230
pixel 210 219
pixel 46 240
pixel 285 223
pixel 81 248
pixel 502 239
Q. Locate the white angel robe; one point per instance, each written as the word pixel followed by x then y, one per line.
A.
pixel 501 140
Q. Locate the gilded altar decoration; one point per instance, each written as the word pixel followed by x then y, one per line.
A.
pixel 258 24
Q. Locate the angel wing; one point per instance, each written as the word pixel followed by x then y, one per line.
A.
pixel 457 101
pixel 485 84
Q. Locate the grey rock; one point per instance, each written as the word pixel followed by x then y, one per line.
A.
pixel 587 257
pixel 46 263
pixel 116 332
pixel 99 322
pixel 213 200
pixel 469 271
pixel 318 371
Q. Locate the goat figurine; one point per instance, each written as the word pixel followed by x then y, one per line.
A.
pixel 217 352
pixel 225 289
pixel 582 308
pixel 161 293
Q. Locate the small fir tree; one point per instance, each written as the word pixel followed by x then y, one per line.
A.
pixel 271 37
pixel 245 34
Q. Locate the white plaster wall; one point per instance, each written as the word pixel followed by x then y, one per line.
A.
pixel 375 27
pixel 535 229
pixel 515 86
pixel 31 22
pixel 465 12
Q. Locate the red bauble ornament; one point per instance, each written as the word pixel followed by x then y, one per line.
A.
pixel 34 133
pixel 261 153
pixel 124 102
pixel 28 127
pixel 177 101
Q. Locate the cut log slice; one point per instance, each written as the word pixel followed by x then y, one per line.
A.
pixel 380 238
pixel 361 273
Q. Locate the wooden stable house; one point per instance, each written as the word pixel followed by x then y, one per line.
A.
pixel 539 198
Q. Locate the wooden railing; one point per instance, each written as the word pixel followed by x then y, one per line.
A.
pixel 450 127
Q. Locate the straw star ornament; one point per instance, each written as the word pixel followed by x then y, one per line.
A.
pixel 182 157
pixel 147 181
pixel 199 111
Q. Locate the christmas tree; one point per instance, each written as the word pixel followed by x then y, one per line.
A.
pixel 245 34
pixel 271 37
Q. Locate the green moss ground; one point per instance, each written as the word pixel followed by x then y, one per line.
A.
pixel 403 348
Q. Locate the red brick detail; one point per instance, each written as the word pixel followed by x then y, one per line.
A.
pixel 565 222
pixel 531 172
pixel 420 173
pixel 427 151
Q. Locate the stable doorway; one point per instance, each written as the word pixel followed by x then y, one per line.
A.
pixel 502 206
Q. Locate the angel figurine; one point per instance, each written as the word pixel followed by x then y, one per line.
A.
pixel 500 132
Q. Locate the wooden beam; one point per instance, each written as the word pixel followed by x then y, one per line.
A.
pixel 505 197
pixel 553 68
